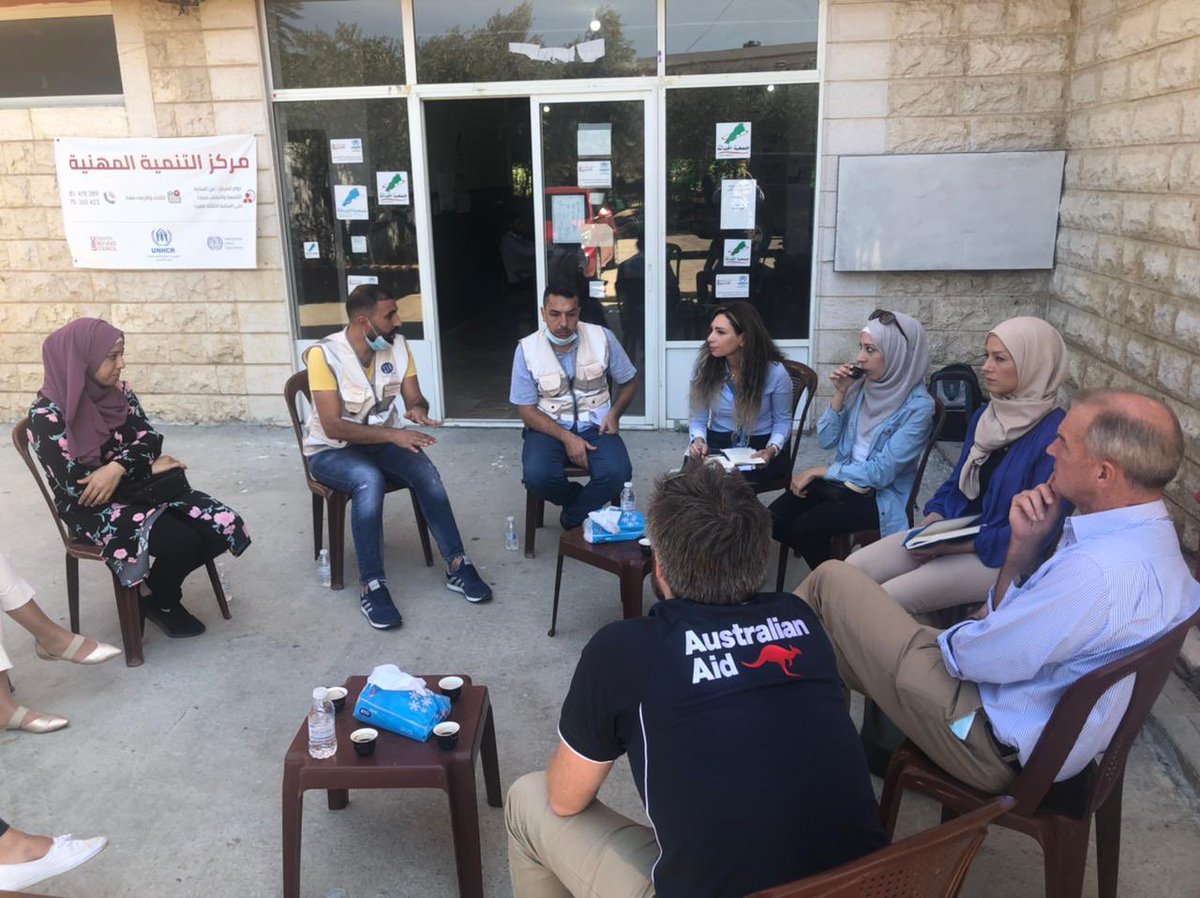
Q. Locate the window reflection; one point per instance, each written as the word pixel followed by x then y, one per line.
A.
pixel 601 146
pixel 327 251
pixel 495 40
pixel 767 233
pixel 335 43
pixel 41 58
pixel 706 36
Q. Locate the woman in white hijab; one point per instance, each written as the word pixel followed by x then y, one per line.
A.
pixel 1004 453
pixel 879 422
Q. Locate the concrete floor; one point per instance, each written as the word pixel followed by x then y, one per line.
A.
pixel 178 762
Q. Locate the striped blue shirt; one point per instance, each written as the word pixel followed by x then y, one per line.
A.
pixel 1116 581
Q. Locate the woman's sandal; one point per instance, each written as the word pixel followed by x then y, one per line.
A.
pixel 101 653
pixel 42 723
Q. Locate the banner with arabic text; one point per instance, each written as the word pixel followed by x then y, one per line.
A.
pixel 161 203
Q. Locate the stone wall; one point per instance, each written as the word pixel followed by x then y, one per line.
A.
pixel 202 345
pixel 936 76
pixel 1126 287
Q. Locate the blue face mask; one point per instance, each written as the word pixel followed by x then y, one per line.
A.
pixel 561 341
pixel 378 342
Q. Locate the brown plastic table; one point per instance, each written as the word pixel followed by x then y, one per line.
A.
pixel 625 559
pixel 399 763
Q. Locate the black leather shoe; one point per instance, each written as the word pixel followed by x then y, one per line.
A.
pixel 174 620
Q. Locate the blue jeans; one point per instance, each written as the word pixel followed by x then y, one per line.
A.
pixel 543 460
pixel 363 471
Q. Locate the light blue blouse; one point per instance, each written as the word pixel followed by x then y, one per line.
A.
pixel 774 415
pixel 896 446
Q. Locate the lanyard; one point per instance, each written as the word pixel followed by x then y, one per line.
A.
pixel 740 437
pixel 570 386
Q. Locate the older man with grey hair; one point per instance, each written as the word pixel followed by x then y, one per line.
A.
pixel 977 696
pixel 729 706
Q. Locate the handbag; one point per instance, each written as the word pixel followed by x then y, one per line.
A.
pixel 412 713
pixel 836 490
pixel 153 490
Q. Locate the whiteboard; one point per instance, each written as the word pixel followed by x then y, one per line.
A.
pixel 947 211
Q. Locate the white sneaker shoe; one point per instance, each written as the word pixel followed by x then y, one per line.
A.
pixel 65 854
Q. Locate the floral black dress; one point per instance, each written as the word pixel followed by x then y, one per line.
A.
pixel 121 529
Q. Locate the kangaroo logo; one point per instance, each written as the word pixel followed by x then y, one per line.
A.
pixel 775 654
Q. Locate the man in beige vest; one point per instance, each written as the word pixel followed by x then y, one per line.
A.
pixel 560 385
pixel 356 443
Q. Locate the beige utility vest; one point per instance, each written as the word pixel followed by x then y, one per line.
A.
pixel 363 401
pixel 557 397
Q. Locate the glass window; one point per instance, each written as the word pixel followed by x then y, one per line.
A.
pixel 593 160
pixel 349 210
pixel 41 58
pixel 499 40
pixel 335 43
pixel 747 36
pixel 740 227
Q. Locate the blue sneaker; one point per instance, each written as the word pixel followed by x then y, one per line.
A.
pixel 466 579
pixel 378 608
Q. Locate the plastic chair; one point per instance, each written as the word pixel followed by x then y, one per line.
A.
pixel 297 385
pixel 1058 815
pixel 535 509
pixel 804 384
pixel 842 544
pixel 128 610
pixel 931 864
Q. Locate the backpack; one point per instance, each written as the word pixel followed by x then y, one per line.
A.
pixel 958 390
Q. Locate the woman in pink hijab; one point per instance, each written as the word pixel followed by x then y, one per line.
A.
pixel 89 431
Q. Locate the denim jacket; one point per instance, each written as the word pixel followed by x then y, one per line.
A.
pixel 891 465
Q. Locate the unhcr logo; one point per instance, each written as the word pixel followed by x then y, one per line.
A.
pixel 162 242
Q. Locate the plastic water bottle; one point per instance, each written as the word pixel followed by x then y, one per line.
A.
pixel 628 499
pixel 324 572
pixel 223 579
pixel 510 534
pixel 322 737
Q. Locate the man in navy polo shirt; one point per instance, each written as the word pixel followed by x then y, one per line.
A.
pixel 730 707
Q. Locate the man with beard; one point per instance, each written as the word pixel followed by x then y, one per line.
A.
pixel 356 444
pixel 560 385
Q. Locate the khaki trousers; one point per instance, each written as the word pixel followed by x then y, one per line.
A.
pixel 14 592
pixel 883 653
pixel 941 583
pixel 597 853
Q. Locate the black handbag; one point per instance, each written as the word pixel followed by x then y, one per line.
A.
pixel 155 489
pixel 835 490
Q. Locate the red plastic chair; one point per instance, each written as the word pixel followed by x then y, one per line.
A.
pixel 932 864
pixel 804 386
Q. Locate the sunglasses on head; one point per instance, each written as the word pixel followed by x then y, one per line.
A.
pixel 884 317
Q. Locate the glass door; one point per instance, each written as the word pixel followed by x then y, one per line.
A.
pixel 592 176
pixel 482 223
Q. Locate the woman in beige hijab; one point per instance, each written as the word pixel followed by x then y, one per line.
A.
pixel 1004 453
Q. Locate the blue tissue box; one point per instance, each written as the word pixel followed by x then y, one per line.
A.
pixel 631 526
pixel 411 714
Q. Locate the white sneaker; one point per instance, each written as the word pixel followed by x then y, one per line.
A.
pixel 65 854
